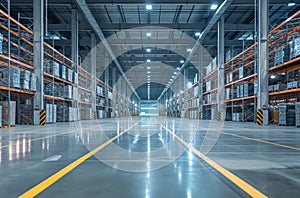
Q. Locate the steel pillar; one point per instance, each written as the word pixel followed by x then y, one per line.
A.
pixel 38 50
pixel 263 61
pixel 93 70
pixel 220 59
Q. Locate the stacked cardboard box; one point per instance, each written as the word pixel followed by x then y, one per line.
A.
pixel 25 79
pixel 33 82
pixel 70 75
pixel 12 106
pixel 63 72
pixel 297 112
pixel 15 75
pixel 55 68
pixel 295 48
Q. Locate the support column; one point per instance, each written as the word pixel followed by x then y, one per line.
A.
pixel 221 89
pixel 200 76
pixel 74 50
pixel 263 61
pixel 93 70
pixel 116 85
pixel 38 59
pixel 106 81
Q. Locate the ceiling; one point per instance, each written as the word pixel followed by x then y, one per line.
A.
pixel 172 24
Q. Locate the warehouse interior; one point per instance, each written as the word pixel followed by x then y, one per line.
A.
pixel 131 98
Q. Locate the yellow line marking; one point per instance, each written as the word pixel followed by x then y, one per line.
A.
pixel 5 146
pixel 233 178
pixel 258 140
pixel 58 175
pixel 262 141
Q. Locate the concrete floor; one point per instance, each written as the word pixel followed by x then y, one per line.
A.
pixel 148 161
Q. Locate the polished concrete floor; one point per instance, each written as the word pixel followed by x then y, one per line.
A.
pixel 141 157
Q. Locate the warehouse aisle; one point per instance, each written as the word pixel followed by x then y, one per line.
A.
pixel 145 157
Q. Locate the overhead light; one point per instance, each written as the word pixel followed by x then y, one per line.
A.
pixel 291 3
pixel 148 67
pixel 148 49
pixel 197 34
pixel 148 34
pixel 213 6
pixel 189 84
pixel 148 7
pixel 148 60
pixel 283 74
pixel 273 77
pixel 173 76
pixel 181 61
pixel 175 72
pixel 178 68
pixel 148 76
pixel 189 50
pixel 148 72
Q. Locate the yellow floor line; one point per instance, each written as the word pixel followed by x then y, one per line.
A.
pixel 262 141
pixel 233 178
pixel 259 140
pixel 58 175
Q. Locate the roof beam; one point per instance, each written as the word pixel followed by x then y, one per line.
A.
pixel 155 42
pixel 90 18
pixel 142 2
pixel 179 26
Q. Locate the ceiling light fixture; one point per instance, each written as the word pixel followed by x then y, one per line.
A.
pixel 273 77
pixel 148 49
pixel 189 50
pixel 181 61
pixel 178 68
pixel 291 3
pixel 197 34
pixel 148 72
pixel 148 34
pixel 148 60
pixel 213 6
pixel 148 7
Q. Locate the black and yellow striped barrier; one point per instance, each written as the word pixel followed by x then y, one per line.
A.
pixel 259 117
pixel 42 117
pixel 219 116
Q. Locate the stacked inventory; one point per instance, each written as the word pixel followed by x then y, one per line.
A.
pixel 51 113
pixel 297 111
pixel 12 108
pixel 14 77
pixel 295 48
pixel 287 114
pixel 25 79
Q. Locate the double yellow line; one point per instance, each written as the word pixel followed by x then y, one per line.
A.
pixel 233 178
pixel 58 175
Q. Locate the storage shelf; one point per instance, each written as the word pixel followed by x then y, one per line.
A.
pixel 84 89
pixel 241 99
pixel 100 96
pixel 242 79
pixel 284 92
pixel 210 75
pixel 57 98
pixel 16 90
pixel 210 104
pixel 211 91
pixel 85 103
pixel 58 79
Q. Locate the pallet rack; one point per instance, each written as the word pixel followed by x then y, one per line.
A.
pixel 64 99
